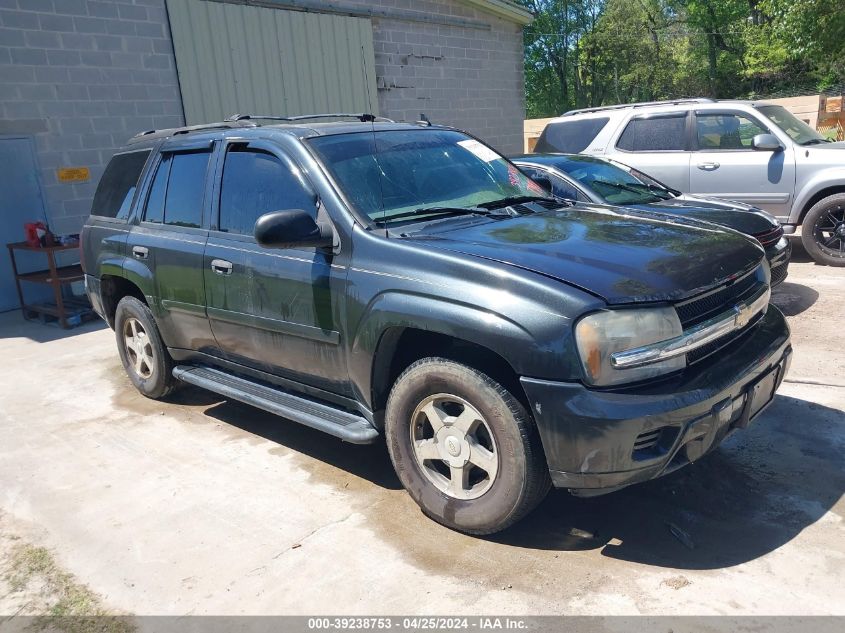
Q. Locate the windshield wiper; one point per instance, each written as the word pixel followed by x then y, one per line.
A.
pixel 655 190
pixel 506 202
pixel 618 185
pixel 817 141
pixel 434 211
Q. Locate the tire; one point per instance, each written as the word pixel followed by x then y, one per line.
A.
pixel 823 231
pixel 478 420
pixel 144 356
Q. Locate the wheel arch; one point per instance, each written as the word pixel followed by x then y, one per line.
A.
pixel 113 288
pixel 810 199
pixel 399 347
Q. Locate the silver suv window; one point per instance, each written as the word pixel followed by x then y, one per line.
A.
pixel 726 131
pixel 661 133
pixel 570 137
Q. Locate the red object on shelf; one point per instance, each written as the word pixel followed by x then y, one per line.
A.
pixel 33 238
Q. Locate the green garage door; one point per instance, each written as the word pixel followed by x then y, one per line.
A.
pixel 233 58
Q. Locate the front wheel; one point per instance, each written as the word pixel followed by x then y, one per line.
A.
pixel 464 447
pixel 823 231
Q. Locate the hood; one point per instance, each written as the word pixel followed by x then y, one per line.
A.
pixel 740 217
pixel 620 255
pixel 837 145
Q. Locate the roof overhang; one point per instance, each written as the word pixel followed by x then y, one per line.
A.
pixel 504 9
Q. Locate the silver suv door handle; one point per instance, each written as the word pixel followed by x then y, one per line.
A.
pixel 221 266
pixel 708 166
pixel 141 252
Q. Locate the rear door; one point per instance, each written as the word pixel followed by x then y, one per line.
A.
pixel 168 243
pixel 277 310
pixel 724 165
pixel 657 144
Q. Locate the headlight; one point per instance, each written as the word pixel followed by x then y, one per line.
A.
pixel 600 334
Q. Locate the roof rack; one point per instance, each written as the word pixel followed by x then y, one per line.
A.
pixel 364 117
pixel 221 125
pixel 642 104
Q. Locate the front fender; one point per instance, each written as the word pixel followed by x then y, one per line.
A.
pixel 526 346
pixel 825 179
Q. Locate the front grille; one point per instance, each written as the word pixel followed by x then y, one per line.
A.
pixel 699 309
pixel 714 346
pixel 767 238
pixel 779 273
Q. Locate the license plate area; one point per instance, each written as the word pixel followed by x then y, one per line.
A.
pixel 760 394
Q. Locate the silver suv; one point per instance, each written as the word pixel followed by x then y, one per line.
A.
pixel 747 151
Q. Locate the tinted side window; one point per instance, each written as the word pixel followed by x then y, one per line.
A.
pixel 117 186
pixel 254 183
pixel 185 189
pixel 155 200
pixel 654 134
pixel 570 137
pixel 560 187
pixel 726 131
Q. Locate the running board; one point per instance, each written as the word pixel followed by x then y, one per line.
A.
pixel 347 426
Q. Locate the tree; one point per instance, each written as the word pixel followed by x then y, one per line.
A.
pixel 592 52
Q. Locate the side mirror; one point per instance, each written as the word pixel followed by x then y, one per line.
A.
pixel 292 228
pixel 766 143
pixel 544 181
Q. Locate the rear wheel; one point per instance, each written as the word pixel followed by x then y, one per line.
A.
pixel 464 447
pixel 144 356
pixel 823 231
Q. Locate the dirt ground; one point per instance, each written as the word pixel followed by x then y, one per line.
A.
pixel 203 506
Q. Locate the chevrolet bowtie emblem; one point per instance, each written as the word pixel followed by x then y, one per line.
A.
pixel 747 311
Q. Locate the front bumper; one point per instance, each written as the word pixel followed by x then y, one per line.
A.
pixel 778 255
pixel 597 441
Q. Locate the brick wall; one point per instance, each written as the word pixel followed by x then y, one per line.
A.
pixel 468 77
pixel 82 76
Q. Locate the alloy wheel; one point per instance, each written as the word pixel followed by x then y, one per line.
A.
pixel 829 232
pixel 454 446
pixel 139 350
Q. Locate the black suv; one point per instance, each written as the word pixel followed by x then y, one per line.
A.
pixel 371 278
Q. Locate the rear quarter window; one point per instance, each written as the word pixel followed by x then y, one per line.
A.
pixel 117 186
pixel 570 137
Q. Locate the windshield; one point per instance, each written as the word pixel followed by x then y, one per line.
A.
pixel 614 184
pixel 798 131
pixel 417 169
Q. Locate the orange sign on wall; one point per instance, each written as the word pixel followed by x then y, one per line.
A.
pixel 73 174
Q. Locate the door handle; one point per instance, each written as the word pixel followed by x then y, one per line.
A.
pixel 221 266
pixel 141 252
pixel 708 166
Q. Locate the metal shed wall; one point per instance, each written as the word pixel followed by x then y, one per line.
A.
pixel 246 59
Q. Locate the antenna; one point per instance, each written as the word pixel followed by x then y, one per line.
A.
pixel 424 120
pixel 375 142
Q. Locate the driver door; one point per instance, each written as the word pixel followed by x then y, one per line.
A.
pixel 724 165
pixel 276 310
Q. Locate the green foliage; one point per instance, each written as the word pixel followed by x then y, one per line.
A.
pixel 581 53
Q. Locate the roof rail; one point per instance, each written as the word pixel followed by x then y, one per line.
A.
pixel 364 117
pixel 642 104
pixel 221 125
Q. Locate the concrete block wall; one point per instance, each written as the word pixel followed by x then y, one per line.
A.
pixel 81 77
pixel 468 77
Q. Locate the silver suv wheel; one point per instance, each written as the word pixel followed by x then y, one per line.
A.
pixel 454 446
pixel 139 350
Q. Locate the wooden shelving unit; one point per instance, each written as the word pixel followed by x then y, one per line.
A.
pixel 62 309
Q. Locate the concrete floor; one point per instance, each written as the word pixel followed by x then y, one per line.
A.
pixel 201 506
